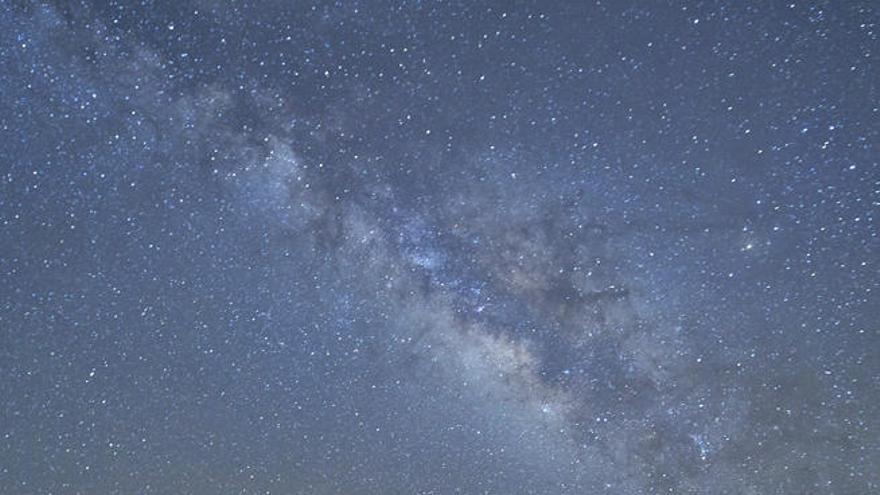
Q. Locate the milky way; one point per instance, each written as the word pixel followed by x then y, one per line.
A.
pixel 439 247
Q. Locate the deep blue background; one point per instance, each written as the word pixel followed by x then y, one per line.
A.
pixel 439 247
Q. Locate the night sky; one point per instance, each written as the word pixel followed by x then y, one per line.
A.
pixel 411 247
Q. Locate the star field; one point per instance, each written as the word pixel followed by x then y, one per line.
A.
pixel 439 247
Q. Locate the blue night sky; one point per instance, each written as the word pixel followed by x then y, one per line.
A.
pixel 284 247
